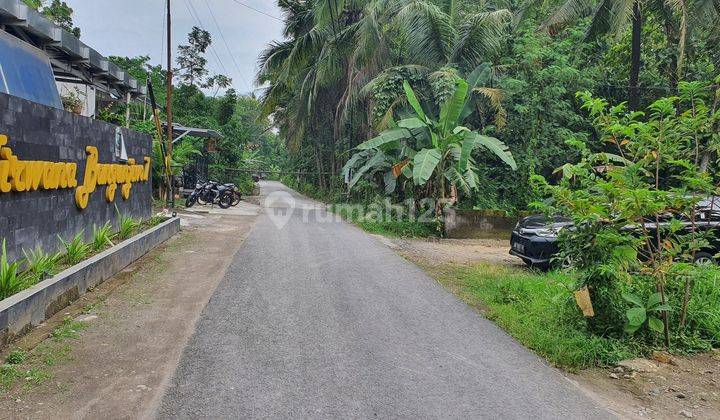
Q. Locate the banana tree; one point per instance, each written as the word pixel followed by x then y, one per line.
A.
pixel 427 150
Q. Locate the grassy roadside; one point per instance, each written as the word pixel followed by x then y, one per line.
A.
pixel 30 368
pixel 387 226
pixel 373 218
pixel 537 309
pixel 391 228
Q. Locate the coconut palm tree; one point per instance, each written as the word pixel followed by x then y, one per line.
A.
pixel 614 16
pixel 334 48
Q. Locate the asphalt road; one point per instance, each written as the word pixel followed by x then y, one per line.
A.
pixel 317 319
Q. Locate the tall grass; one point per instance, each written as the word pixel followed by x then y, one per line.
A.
pixel 538 309
pixel 11 279
pixel 102 237
pixel 128 226
pixel 75 250
pixel 40 264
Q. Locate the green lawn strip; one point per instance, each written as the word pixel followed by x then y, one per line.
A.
pixel 32 367
pixel 391 228
pixel 537 309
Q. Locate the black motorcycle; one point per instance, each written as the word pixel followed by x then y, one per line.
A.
pixel 237 197
pixel 193 197
pixel 213 193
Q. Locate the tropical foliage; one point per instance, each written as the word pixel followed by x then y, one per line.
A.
pixel 336 79
pixel 57 11
pixel 248 141
pixel 431 153
pixel 641 211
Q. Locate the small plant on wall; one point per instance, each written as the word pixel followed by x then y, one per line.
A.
pixel 102 237
pixel 73 101
pixel 39 265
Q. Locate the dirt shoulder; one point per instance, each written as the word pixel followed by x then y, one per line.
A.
pixel 455 251
pixel 688 387
pixel 120 344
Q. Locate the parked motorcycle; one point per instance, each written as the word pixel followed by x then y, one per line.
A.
pixel 193 197
pixel 213 193
pixel 237 197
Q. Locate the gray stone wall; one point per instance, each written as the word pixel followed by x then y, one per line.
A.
pixel 478 224
pixel 29 220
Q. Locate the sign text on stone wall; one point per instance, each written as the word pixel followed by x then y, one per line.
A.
pixel 30 175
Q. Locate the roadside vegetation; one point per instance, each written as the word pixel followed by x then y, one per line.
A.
pixel 38 265
pixel 31 368
pixel 203 101
pixel 410 105
pixel 540 311
pixel 380 219
pixel 337 80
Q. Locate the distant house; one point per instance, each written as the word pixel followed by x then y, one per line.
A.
pixel 44 63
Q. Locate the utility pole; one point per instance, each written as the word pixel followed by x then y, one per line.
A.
pixel 127 110
pixel 168 149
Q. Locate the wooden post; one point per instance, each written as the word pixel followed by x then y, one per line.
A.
pixel 169 139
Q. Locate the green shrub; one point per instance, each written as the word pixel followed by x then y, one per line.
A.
pixel 244 183
pixel 631 195
pixel 75 250
pixel 128 226
pixel 401 228
pixel 40 264
pixel 102 237
pixel 11 279
pixel 155 220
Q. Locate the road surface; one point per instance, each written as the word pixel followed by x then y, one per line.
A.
pixel 314 318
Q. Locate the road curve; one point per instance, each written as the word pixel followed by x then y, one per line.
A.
pixel 317 319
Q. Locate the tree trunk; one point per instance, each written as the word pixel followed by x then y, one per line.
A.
pixel 634 94
pixel 673 39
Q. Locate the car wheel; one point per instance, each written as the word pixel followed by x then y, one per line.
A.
pixel 567 264
pixel 704 259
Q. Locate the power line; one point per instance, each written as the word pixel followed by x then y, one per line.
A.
pixel 196 17
pixel 232 56
pixel 257 10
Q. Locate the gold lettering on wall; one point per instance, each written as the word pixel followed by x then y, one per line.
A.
pixel 30 175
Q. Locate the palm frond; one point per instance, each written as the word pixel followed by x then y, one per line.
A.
pixel 429 32
pixel 271 60
pixel 568 12
pixel 621 14
pixel 495 97
pixel 480 35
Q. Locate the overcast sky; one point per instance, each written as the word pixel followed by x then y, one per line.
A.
pixel 135 27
